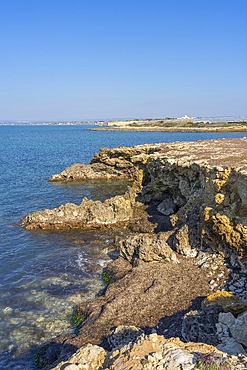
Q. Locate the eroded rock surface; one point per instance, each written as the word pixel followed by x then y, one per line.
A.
pixel 193 185
pixel 96 171
pixel 118 211
pixel 147 248
pixel 221 321
pixel 116 163
pixel 152 352
pixel 188 209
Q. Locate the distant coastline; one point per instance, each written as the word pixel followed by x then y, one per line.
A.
pixel 188 125
pixel 173 129
pixel 183 124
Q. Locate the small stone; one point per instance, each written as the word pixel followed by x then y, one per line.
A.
pixel 7 310
pixel 40 319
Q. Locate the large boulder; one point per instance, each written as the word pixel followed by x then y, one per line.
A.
pixel 232 332
pixel 147 247
pixel 226 300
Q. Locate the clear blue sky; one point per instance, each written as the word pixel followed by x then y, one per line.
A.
pixel 82 59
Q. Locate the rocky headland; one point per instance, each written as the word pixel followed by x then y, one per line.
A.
pixel 176 295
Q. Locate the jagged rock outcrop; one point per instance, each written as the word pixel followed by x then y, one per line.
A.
pixel 96 171
pixel 118 211
pixel 220 322
pixel 116 163
pixel 192 186
pixel 152 352
pixel 227 300
pixel 206 194
pixel 200 325
pixel 232 333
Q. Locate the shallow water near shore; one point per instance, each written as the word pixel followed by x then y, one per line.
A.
pixel 43 275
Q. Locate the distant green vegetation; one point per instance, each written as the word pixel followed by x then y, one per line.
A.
pixel 184 123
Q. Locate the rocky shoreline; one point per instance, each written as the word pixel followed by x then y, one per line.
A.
pixel 185 218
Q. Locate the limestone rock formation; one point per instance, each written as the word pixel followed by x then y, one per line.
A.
pixel 152 352
pixel 201 190
pixel 114 212
pixel 200 325
pixel 147 248
pixel 95 171
pixel 89 357
pixel 188 202
pixel 221 322
pixel 116 163
pixel 227 300
pixel 232 332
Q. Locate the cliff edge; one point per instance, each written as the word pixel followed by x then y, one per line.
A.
pixel 185 217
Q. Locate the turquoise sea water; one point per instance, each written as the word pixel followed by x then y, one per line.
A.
pixel 43 275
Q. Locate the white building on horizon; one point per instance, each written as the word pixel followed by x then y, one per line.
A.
pixel 185 117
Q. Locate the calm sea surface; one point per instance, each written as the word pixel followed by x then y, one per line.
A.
pixel 43 275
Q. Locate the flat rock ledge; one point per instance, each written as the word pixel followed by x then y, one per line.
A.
pixel 114 212
pixel 187 208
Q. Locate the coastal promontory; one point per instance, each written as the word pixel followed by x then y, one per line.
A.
pixel 176 292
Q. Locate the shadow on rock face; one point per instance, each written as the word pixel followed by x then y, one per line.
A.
pixel 51 354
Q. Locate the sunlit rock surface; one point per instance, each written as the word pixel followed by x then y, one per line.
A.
pixel 187 214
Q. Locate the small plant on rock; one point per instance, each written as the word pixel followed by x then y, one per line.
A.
pixel 144 361
pixel 40 364
pixel 36 359
pixel 78 317
pixel 212 361
pixel 106 278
